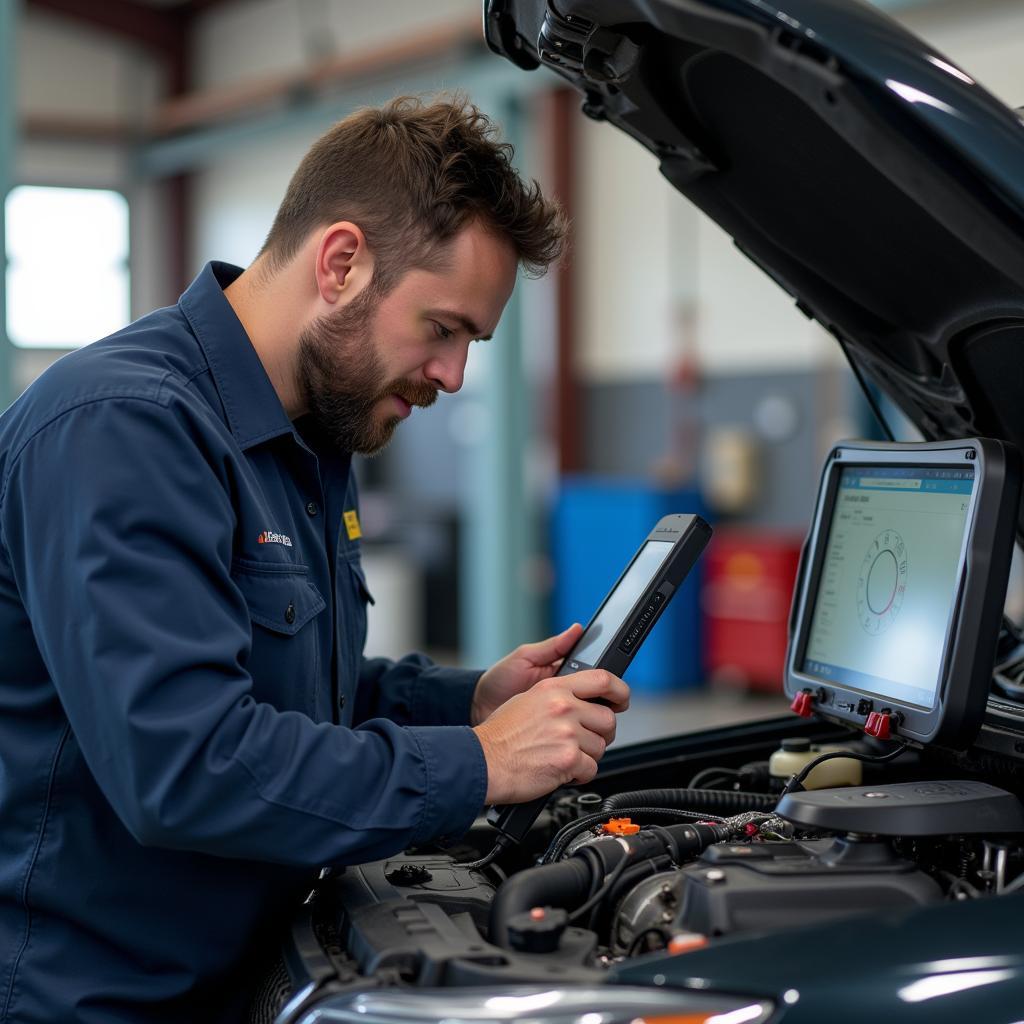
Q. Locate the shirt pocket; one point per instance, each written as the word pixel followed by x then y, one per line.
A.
pixel 284 660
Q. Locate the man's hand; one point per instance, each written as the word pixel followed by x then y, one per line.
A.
pixel 550 735
pixel 518 671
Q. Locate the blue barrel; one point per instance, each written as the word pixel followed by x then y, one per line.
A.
pixel 598 525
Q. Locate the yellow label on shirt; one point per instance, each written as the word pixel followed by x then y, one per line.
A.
pixel 352 525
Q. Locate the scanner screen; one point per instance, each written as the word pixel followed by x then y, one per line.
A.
pixel 600 633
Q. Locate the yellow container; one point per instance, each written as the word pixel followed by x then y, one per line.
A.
pixel 795 754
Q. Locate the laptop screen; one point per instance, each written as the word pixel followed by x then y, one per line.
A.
pixel 885 596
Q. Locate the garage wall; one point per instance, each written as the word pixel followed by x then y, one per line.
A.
pixel 252 38
pixel 72 73
pixel 660 281
pixel 663 286
pixel 236 197
pixel 646 257
pixel 657 279
pixel 659 287
pixel 983 37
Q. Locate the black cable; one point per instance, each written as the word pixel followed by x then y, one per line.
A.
pixel 569 832
pixel 626 883
pixel 500 844
pixel 796 782
pixel 713 773
pixel 597 871
pixel 601 890
pixel 727 802
pixel 634 946
pixel 589 854
pixel 961 885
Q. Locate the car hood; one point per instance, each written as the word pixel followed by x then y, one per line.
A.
pixel 927 964
pixel 867 174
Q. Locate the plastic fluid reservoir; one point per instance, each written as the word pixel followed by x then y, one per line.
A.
pixel 797 752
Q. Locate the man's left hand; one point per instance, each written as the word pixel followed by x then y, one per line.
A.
pixel 518 671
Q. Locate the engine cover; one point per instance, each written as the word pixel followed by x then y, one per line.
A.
pixel 767 886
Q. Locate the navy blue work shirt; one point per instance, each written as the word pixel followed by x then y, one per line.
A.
pixel 187 725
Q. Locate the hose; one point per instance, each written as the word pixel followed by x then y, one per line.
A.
pixel 721 801
pixel 624 884
pixel 570 884
pixel 565 884
pixel 565 836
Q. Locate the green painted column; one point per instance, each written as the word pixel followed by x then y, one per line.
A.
pixel 498 609
pixel 9 10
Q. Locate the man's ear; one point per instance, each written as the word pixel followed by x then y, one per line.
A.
pixel 344 265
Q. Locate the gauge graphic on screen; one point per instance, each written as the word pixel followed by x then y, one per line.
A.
pixel 882 583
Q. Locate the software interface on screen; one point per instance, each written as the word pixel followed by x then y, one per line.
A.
pixel 888 580
pixel 602 630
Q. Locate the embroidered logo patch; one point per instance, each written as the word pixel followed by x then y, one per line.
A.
pixel 352 525
pixel 269 537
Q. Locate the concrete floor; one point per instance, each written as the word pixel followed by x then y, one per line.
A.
pixel 651 716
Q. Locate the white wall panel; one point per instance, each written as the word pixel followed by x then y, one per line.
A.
pixel 255 38
pixel 643 256
pixel 983 37
pixel 635 239
pixel 744 320
pixel 622 253
pixel 235 199
pixel 70 70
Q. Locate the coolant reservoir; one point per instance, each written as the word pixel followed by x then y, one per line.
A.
pixel 797 752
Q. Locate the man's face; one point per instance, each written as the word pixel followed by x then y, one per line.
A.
pixel 364 367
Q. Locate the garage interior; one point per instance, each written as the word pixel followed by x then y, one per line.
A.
pixel 138 140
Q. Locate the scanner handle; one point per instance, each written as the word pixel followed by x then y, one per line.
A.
pixel 515 820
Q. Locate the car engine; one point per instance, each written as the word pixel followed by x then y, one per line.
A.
pixel 614 873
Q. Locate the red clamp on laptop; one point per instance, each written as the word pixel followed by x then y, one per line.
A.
pixel 803 704
pixel 877 724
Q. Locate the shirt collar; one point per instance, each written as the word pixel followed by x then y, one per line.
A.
pixel 253 410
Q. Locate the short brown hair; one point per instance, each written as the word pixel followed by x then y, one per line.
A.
pixel 411 174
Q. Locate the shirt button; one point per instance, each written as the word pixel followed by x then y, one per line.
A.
pixel 341 701
pixel 289 614
pixel 312 509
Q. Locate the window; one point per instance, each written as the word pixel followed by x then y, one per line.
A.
pixel 67 265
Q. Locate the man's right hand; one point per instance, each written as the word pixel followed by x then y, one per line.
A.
pixel 550 735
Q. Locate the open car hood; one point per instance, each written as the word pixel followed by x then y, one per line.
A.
pixel 868 175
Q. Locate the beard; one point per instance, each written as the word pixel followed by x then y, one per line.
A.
pixel 342 378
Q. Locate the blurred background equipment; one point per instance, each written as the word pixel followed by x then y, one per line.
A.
pixel 597 527
pixel 748 583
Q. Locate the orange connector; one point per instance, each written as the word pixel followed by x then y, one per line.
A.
pixel 620 827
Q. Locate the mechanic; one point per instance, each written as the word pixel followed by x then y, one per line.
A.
pixel 188 728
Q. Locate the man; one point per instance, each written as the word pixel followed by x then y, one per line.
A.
pixel 188 728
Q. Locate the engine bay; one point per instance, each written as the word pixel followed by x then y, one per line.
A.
pixel 663 871
pixel 895 786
